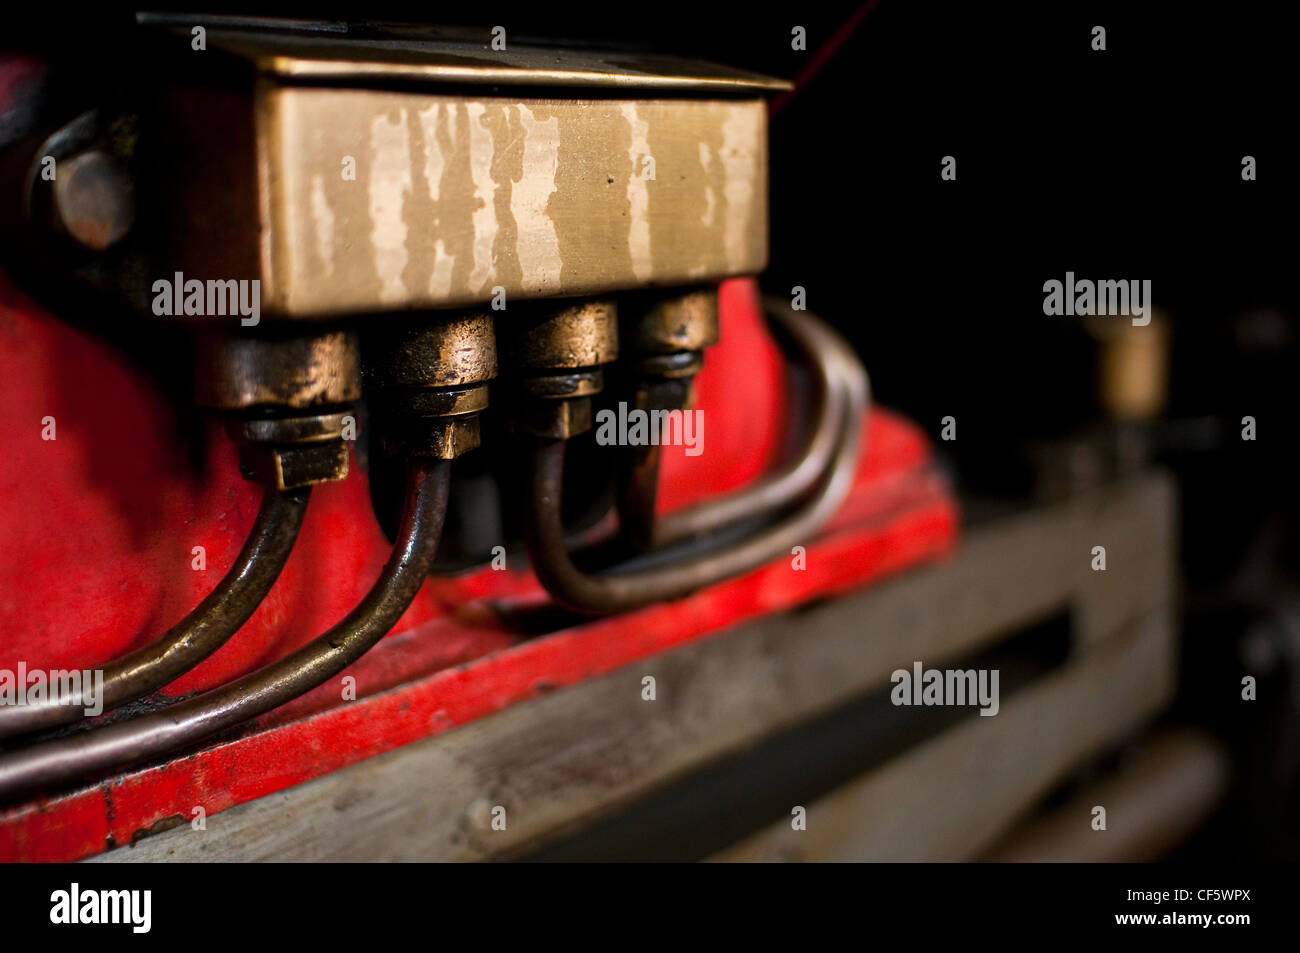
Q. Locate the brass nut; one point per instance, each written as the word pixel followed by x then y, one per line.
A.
pixel 570 335
pixel 552 386
pixel 449 403
pixel 286 431
pixel 243 372
pixel 677 366
pixel 444 438
pixel 555 419
pixel 452 350
pixel 287 468
pixel 431 402
pixel 663 393
pixel 656 322
pixel 323 103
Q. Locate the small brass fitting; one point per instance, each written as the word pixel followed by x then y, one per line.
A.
pixel 560 335
pixel 669 322
pixel 555 419
pixel 668 330
pixel 288 400
pixel 558 350
pixel 428 378
pixel 291 452
pixel 242 372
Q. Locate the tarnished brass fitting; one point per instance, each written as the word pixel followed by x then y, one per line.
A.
pixel 242 372
pixel 670 322
pixel 558 350
pixel 428 382
pixel 668 330
pixel 288 399
pixel 291 452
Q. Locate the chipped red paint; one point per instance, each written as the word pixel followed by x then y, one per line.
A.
pixel 113 491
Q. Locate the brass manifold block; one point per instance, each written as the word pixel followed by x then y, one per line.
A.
pixel 288 400
pixel 428 382
pixel 558 351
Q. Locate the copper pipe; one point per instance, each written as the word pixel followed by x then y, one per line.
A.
pixel 207 627
pixel 637 495
pixel 58 762
pixel 617 592
pixel 638 485
pixel 798 478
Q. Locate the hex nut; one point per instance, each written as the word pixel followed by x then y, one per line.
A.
pixel 291 467
pixel 555 419
pixel 444 438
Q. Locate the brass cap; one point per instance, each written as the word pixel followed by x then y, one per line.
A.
pixel 562 335
pixel 555 419
pixel 658 322
pixel 243 371
pixel 290 452
pixel 452 350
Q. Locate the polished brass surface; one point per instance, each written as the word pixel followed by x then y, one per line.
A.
pixel 240 372
pixel 204 630
pixel 369 201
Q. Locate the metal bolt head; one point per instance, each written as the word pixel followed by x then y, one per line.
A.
pixel 94 199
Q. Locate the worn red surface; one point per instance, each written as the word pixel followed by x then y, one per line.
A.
pixel 97 529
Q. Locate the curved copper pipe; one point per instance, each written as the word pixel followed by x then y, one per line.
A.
pixel 103 749
pixel 638 484
pixel 207 627
pixel 778 490
pixel 617 592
